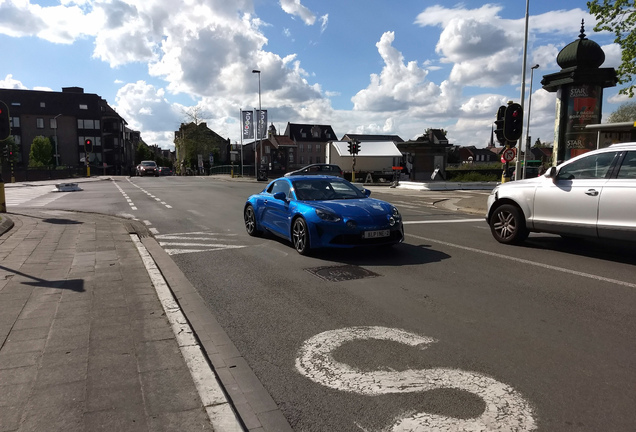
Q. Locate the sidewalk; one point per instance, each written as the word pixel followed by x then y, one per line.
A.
pixel 87 336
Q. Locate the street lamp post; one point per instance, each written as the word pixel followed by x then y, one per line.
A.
pixel 57 156
pixel 259 132
pixel 527 147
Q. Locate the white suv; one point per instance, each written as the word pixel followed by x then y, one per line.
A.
pixel 591 195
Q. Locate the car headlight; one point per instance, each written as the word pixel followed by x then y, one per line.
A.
pixel 395 216
pixel 328 216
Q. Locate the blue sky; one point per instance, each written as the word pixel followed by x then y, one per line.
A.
pixel 362 66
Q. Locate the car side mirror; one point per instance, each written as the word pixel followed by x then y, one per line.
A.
pixel 367 192
pixel 552 173
pixel 280 196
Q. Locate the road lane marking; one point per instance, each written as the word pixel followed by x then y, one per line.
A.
pixel 216 405
pixel 525 261
pixel 443 221
pixel 180 243
pixel 505 409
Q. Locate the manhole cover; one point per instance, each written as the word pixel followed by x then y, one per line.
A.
pixel 341 273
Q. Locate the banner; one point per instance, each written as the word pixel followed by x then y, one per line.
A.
pixel 261 125
pixel 247 121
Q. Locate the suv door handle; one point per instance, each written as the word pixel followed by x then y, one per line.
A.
pixel 592 192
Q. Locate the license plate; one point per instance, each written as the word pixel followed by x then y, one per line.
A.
pixel 376 234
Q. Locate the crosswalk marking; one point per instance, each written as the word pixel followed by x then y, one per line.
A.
pixel 17 196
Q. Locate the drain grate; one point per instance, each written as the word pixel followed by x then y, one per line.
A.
pixel 341 273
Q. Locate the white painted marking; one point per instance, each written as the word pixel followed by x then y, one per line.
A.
pixel 443 221
pixel 169 206
pixel 196 233
pixel 506 409
pixel 214 245
pixel 147 222
pixel 524 261
pixel 205 380
pixel 155 231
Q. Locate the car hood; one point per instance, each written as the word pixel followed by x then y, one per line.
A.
pixel 361 208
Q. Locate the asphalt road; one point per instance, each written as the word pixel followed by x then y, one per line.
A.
pixel 448 331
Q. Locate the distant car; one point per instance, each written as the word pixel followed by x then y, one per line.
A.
pixel 165 171
pixel 592 195
pixel 146 168
pixel 317 169
pixel 322 212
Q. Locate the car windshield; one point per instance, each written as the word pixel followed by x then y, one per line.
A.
pixel 150 163
pixel 322 189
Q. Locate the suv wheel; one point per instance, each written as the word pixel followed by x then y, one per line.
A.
pixel 508 225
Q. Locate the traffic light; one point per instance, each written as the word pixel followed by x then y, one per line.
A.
pixel 88 145
pixel 499 125
pixel 5 150
pixel 350 147
pixel 5 125
pixel 513 122
pixel 358 147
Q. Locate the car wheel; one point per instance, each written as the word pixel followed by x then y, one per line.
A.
pixel 250 221
pixel 508 225
pixel 300 236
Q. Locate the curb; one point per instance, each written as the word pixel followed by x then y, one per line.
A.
pixel 6 224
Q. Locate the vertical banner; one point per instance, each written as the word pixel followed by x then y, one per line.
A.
pixel 261 125
pixel 247 120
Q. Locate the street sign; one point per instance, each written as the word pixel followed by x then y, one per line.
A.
pixel 508 155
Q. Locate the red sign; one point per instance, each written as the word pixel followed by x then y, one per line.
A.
pixel 398 168
pixel 508 155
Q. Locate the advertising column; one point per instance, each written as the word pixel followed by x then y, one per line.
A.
pixel 583 102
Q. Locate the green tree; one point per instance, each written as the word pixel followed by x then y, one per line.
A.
pixel 143 153
pixel 619 17
pixel 41 153
pixel 625 113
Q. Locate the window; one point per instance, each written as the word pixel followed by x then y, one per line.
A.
pixel 53 123
pixel 291 158
pixel 318 159
pixel 42 104
pixel 15 122
pixel 87 124
pixel 301 148
pixel 590 167
pixel 83 107
pixel 39 123
pixel 628 168
pixel 280 186
pixel 15 103
pixel 311 160
pixel 318 148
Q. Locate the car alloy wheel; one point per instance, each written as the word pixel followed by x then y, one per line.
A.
pixel 508 225
pixel 300 236
pixel 250 221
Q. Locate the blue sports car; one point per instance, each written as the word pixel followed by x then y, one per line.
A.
pixel 322 211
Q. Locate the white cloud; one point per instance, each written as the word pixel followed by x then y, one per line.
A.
pixel 295 8
pixel 398 86
pixel 9 83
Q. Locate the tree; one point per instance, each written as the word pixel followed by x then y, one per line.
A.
pixel 41 153
pixel 619 17
pixel 143 153
pixel 625 113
